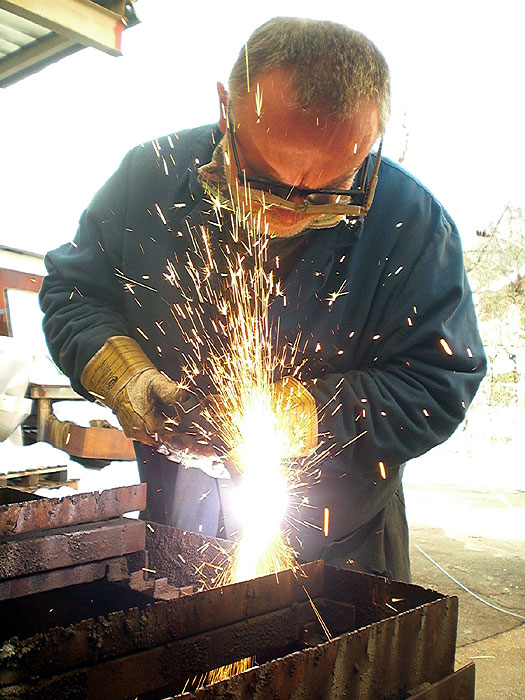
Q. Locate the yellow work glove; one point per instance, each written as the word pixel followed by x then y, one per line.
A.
pixel 121 376
pixel 293 397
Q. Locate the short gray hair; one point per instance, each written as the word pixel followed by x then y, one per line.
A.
pixel 333 68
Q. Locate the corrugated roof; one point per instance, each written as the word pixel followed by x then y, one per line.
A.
pixel 34 34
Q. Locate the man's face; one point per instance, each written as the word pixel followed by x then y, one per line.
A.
pixel 280 142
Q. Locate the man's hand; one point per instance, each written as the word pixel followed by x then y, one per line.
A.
pixel 144 400
pixel 194 430
pixel 145 407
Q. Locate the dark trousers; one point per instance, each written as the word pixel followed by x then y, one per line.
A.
pixel 186 498
pixel 379 547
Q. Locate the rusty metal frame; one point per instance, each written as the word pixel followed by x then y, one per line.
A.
pixel 23 554
pixel 403 636
pixel 115 569
pixel 44 514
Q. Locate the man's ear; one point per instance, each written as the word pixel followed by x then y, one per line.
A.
pixel 223 106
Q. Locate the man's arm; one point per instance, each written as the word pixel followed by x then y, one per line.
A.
pixel 424 372
pixel 82 298
pixel 86 327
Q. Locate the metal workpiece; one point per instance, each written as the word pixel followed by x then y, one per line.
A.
pixel 114 569
pixel 30 553
pixel 36 514
pixel 378 661
pixel 96 605
pixel 157 649
pixel 53 543
pixel 185 557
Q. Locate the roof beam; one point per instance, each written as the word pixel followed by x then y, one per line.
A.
pixel 78 21
pixel 37 51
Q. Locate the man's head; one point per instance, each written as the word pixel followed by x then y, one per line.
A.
pixel 307 100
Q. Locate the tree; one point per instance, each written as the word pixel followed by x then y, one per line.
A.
pixel 496 269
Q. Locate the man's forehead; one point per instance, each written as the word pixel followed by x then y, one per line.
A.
pixel 272 100
pixel 271 106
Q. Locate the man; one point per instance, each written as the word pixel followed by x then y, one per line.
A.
pixel 377 288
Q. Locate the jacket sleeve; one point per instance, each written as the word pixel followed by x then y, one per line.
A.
pixel 419 376
pixel 82 295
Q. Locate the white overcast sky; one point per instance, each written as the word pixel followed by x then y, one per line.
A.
pixel 457 77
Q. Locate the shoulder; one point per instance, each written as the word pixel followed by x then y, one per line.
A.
pixel 401 195
pixel 179 150
pixel 166 164
pixel 406 214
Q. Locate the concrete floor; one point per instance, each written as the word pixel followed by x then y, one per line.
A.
pixel 452 514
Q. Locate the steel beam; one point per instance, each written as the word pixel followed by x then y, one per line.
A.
pixel 25 554
pixel 36 51
pixel 79 21
pixel 47 513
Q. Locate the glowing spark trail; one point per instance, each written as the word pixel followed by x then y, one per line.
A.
pixel 446 346
pixel 326 521
pixel 335 295
pixel 258 102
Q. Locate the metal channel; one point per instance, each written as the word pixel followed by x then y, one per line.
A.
pixel 49 513
pixel 28 553
pixel 168 642
pixel 115 569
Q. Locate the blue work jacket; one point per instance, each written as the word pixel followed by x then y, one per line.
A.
pixel 393 362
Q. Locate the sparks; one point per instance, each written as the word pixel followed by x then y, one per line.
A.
pixel 247 68
pixel 161 215
pixel 332 298
pixel 237 349
pixel 446 346
pixel 326 521
pixel 258 101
